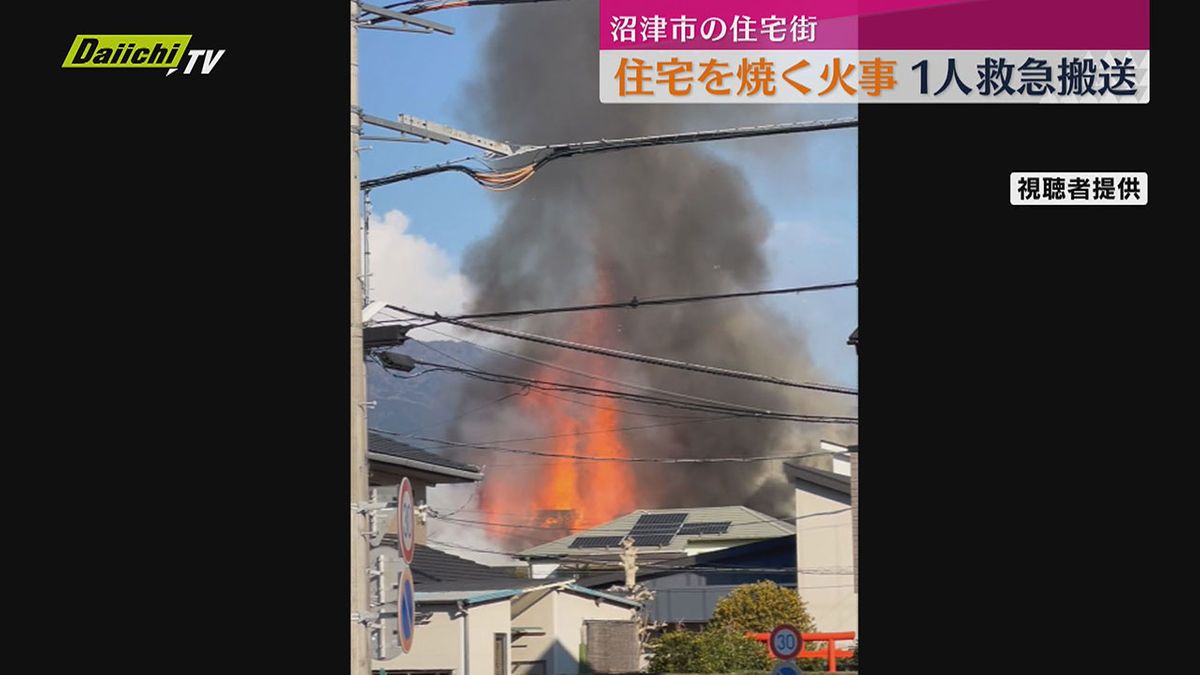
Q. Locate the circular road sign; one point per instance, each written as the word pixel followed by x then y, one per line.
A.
pixel 786 668
pixel 408 528
pixel 786 642
pixel 406 611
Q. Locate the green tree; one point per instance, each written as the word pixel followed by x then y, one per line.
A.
pixel 852 662
pixel 712 651
pixel 760 607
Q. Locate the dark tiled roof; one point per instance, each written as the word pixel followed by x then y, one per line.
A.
pixel 482 585
pixel 386 446
pixel 853 338
pixel 433 567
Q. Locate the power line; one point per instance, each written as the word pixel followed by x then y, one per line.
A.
pixel 472 498
pixel 502 378
pixel 625 411
pixel 631 356
pixel 469 548
pixel 599 529
pixel 563 398
pixel 591 432
pixel 752 521
pixel 451 418
pixel 589 458
pixel 636 302
pixel 535 157
pixel 832 571
pixel 580 373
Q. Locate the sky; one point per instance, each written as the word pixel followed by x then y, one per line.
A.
pixel 421 228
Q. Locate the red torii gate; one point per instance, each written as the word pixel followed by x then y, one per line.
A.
pixel 830 652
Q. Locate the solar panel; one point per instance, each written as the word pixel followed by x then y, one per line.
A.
pixel 652 539
pixel 661 519
pixel 658 528
pixel 654 529
pixel 719 527
pixel 595 542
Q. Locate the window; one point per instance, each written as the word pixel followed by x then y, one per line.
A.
pixel 501 653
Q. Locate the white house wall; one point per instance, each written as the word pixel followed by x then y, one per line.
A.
pixel 533 648
pixel 824 541
pixel 483 623
pixel 437 645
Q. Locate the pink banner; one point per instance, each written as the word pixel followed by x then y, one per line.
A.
pixel 875 24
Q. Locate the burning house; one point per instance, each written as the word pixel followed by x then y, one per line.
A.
pixel 611 227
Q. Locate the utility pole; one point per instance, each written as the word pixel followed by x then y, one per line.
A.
pixel 361 617
pixel 360 652
pixel 629 562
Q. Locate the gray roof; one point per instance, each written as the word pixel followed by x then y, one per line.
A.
pixel 476 593
pixel 745 525
pixel 433 567
pixel 386 451
pixel 480 595
pixel 819 477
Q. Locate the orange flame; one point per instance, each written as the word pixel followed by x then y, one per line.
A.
pixel 549 498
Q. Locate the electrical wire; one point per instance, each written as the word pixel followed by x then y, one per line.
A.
pixel 590 531
pixel 636 302
pixel 752 521
pixel 470 500
pixel 589 458
pixel 452 418
pixel 652 360
pixel 592 376
pixel 539 157
pixel 624 529
pixel 690 403
pixel 832 571
pixel 632 396
pixel 623 411
pixel 590 432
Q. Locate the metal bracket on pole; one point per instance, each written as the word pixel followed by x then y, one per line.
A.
pixel 365 619
pixel 440 133
pixel 420 31
pixel 395 139
pixel 404 129
pixel 369 312
pixel 406 18
pixel 373 506
pixel 444 134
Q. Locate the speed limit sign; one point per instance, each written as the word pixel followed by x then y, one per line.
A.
pixel 786 642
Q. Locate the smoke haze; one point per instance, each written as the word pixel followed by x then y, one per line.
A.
pixel 657 221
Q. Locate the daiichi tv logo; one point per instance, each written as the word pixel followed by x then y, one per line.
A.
pixel 141 51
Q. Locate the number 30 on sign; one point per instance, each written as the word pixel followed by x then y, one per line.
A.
pixel 786 642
